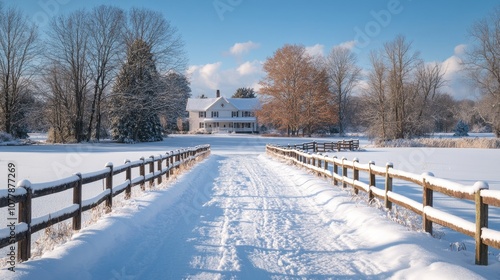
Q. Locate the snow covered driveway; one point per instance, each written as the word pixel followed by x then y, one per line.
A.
pixel 249 217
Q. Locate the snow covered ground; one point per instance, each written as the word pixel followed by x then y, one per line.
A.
pixel 240 214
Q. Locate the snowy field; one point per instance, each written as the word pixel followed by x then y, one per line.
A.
pixel 240 214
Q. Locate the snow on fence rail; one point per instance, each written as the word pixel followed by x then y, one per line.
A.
pixel 479 193
pixel 327 146
pixel 26 191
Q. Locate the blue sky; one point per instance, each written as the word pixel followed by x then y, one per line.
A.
pixel 228 40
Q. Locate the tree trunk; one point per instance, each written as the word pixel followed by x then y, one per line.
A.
pixel 92 113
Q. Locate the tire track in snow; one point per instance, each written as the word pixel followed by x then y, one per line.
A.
pixel 240 217
pixel 269 225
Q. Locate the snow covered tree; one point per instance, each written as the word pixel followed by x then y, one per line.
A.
pixel 244 93
pixel 173 98
pixel 461 129
pixel 134 115
pixel 482 66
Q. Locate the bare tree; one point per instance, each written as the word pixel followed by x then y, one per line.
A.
pixel 69 50
pixel 428 79
pixel 400 64
pixel 375 96
pixel 400 92
pixel 60 103
pixel 166 43
pixel 19 50
pixel 482 63
pixel 343 76
pixel 106 25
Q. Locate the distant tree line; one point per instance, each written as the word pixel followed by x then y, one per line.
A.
pixel 401 96
pixel 98 70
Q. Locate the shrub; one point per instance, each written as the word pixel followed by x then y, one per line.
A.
pixel 461 129
pixel 5 137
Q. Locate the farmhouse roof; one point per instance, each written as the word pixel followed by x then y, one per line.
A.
pixel 242 104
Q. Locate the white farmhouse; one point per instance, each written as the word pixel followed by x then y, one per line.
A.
pixel 223 115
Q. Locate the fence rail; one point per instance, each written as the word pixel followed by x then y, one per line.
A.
pixel 26 191
pixel 326 146
pixel 478 193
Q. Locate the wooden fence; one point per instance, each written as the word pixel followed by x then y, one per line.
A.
pixel 26 191
pixel 326 146
pixel 337 169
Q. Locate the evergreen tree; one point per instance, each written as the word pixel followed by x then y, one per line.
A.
pixel 134 111
pixel 461 129
pixel 244 93
pixel 173 98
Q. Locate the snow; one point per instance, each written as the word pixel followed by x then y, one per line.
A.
pixel 403 199
pixel 20 227
pixel 96 173
pixel 121 186
pixel 452 219
pixel 240 214
pixel 490 234
pixel 66 210
pixel 98 197
pixel 41 186
pixel 491 194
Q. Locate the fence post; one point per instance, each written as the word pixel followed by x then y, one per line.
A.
pixel 427 200
pixel 172 156
pixel 128 176
pixel 158 181
pixel 335 171
pixel 355 173
pixel 178 159
pixel 167 160
pixel 372 181
pixel 151 171
pixel 344 173
pixel 326 163
pixel 109 186
pixel 77 199
pixel 481 222
pixel 142 172
pixel 388 185
pixel 24 245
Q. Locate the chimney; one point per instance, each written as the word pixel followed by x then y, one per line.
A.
pixel 218 93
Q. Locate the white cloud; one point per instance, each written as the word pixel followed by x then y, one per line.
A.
pixel 460 49
pixel 206 79
pixel 207 75
pixel 347 45
pixel 454 75
pixel 239 49
pixel 316 50
pixel 248 68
